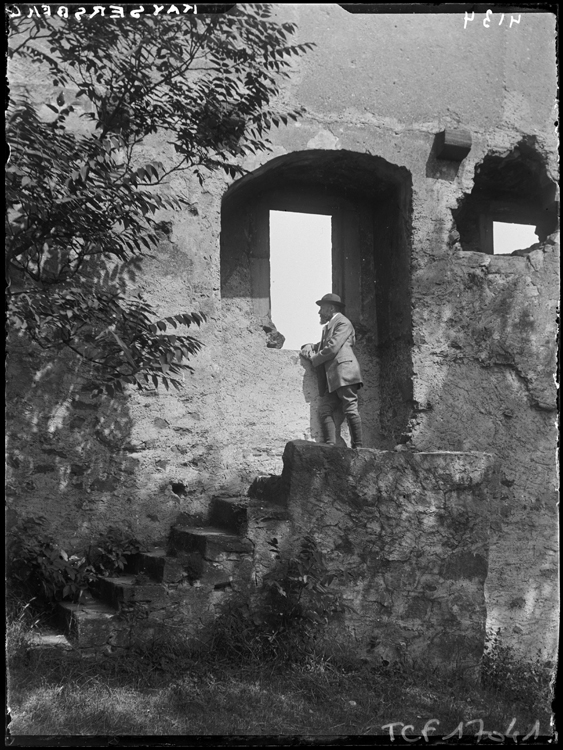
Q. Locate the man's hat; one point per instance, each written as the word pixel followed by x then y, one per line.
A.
pixel 330 299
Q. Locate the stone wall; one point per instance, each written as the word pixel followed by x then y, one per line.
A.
pixel 406 533
pixel 469 368
pixel 485 377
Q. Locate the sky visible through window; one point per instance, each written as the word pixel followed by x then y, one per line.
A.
pixel 510 237
pixel 301 268
pixel 300 273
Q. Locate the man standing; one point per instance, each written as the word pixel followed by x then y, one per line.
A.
pixel 339 372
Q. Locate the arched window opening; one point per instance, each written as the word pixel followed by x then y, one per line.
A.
pixel 366 204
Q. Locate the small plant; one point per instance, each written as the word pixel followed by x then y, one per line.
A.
pixel 295 605
pixel 503 671
pixel 40 568
pixel 299 595
pixel 110 554
pixel 21 622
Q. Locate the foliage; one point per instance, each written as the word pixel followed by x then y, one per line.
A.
pixel 42 569
pixel 82 207
pixel 22 621
pixel 110 554
pixel 524 681
pixel 39 567
pixel 299 594
pixel 296 603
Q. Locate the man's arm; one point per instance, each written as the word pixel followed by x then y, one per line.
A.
pixel 342 331
pixel 307 350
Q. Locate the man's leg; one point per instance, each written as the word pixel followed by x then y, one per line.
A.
pixel 348 395
pixel 328 403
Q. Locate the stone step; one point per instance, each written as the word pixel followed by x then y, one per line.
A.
pixel 218 574
pixel 210 542
pixel 49 640
pixel 264 512
pixel 230 513
pixel 159 566
pixel 89 625
pixel 119 590
pixel 269 488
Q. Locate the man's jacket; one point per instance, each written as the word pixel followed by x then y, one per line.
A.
pixel 334 353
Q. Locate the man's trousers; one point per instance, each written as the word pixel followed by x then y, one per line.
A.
pixel 346 397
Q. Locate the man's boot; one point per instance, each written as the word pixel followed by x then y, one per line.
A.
pixel 355 426
pixel 329 430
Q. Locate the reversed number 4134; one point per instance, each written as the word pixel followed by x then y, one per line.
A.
pixel 488 19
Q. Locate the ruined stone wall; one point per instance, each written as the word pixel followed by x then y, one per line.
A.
pixel 475 370
pixel 485 366
pixel 406 536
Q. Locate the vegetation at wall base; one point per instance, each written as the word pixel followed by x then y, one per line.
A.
pixel 84 207
pixel 297 602
pixel 166 689
pixel 41 573
pixel 504 673
pixel 265 670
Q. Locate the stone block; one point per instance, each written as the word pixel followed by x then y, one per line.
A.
pixel 124 590
pixel 88 625
pixel 160 567
pixel 49 641
pixel 237 573
pixel 453 145
pixel 264 513
pixel 229 513
pixel 211 543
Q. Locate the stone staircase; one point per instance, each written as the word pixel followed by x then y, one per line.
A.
pixel 404 533
pixel 181 587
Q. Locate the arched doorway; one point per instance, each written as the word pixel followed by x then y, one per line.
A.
pixel 369 201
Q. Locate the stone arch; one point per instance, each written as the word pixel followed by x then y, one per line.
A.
pixel 369 201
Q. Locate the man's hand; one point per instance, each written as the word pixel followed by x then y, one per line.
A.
pixel 306 351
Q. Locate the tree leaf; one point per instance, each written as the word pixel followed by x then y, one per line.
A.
pixel 78 189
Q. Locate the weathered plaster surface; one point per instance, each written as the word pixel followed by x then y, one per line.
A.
pixel 484 359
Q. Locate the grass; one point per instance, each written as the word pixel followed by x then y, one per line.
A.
pixel 167 690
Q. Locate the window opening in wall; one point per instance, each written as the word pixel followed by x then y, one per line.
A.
pixel 300 273
pixel 512 193
pixel 510 237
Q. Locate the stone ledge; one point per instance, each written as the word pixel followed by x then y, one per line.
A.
pixel 124 590
pixel 49 641
pixel 211 543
